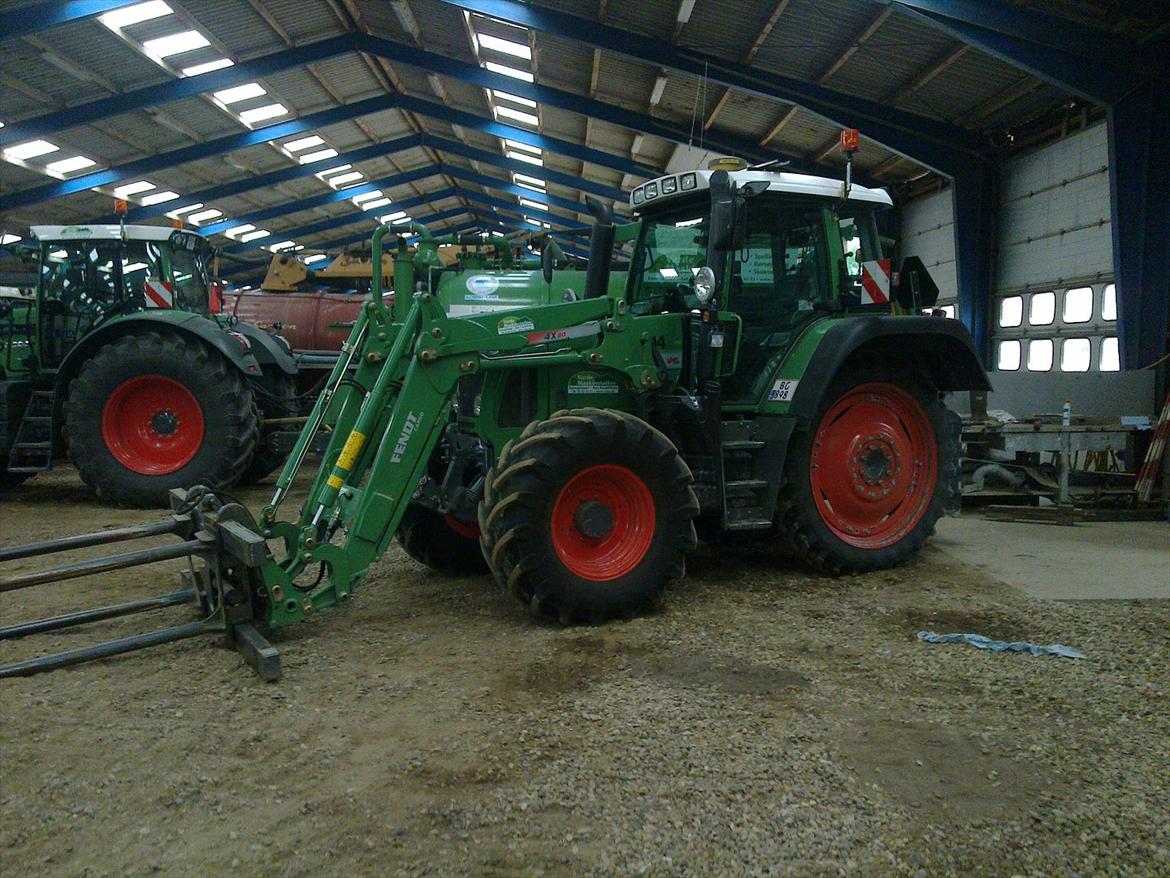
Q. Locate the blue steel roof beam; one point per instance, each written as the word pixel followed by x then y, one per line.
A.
pixel 514 189
pixel 941 146
pixel 221 145
pixel 173 90
pixel 42 16
pixel 1059 35
pixel 365 236
pixel 338 222
pixel 334 196
pixel 298 172
pixel 504 204
pixel 564 100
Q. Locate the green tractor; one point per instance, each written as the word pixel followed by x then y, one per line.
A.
pixel 122 360
pixel 570 433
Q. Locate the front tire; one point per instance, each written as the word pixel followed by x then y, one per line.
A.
pixel 865 485
pixel 588 516
pixel 157 411
pixel 441 542
pixel 276 397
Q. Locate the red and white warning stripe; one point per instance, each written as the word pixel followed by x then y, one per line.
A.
pixel 875 282
pixel 159 294
pixel 1148 474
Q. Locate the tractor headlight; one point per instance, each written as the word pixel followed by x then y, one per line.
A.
pixel 703 284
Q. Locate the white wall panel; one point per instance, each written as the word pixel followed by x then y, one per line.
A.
pixel 1054 216
pixel 928 232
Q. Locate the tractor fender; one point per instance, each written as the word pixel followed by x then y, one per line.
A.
pixel 939 348
pixel 174 321
pixel 268 349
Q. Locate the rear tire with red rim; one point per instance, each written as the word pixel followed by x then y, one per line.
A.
pixel 588 516
pixel 866 483
pixel 156 411
pixel 444 543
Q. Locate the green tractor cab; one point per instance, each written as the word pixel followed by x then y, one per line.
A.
pixel 123 360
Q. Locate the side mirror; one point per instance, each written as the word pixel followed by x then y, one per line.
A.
pixel 916 288
pixel 728 215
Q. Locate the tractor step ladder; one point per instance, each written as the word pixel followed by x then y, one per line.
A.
pixel 750 483
pixel 32 452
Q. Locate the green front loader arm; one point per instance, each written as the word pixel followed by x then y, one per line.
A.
pixel 386 407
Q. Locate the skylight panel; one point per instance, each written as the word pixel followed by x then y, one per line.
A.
pixel 516 99
pixel 252 236
pixel 238 93
pixel 516 144
pixel 204 215
pixel 133 188
pixel 304 143
pixel 315 258
pixel 68 166
pixel 239 231
pixel 159 197
pixel 373 205
pixel 281 245
pixel 175 44
pixel 525 157
pixel 517 115
pixel 135 14
pixel 30 150
pixel 402 220
pixel 524 178
pixel 259 114
pixel 533 204
pixel 333 170
pixel 310 157
pixel 347 177
pixel 208 66
pixel 179 211
pixel 509 71
pixel 366 196
pixel 517 50
pixel 392 217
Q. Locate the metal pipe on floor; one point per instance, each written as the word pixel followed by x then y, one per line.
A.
pixel 102 650
pixel 82 541
pixel 104 565
pixel 68 620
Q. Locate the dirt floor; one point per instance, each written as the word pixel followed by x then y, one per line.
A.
pixel 764 722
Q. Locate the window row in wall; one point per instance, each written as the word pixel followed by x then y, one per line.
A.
pixel 1078 354
pixel 1070 307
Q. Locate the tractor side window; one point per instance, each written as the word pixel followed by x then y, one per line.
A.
pixel 140 263
pixel 859 242
pixel 190 279
pixel 79 289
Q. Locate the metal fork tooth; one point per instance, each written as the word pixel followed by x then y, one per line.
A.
pixel 81 617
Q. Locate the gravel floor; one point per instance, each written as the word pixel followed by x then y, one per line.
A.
pixel 765 722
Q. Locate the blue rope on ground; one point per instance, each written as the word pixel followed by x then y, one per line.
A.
pixel 1001 645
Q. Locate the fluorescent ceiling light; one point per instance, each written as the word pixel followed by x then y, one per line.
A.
pixel 239 93
pixel 30 150
pixel 684 11
pixel 404 219
pixel 516 99
pixel 516 144
pixel 366 196
pixel 518 50
pixel 381 202
pixel 525 157
pixel 68 166
pixel 509 71
pixel 281 245
pixel 207 67
pixel 304 143
pixel 536 204
pixel 316 258
pixel 637 145
pixel 175 44
pixel 135 14
pixel 179 211
pixel 9 239
pixel 524 178
pixel 252 236
pixel 317 156
pixel 159 197
pixel 348 177
pixel 518 115
pixel 204 215
pixel 236 231
pixel 391 217
pixel 334 170
pixel 659 88
pixel 133 188
pixel 259 114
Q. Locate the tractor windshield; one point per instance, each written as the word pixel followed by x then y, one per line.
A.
pixel 669 250
pixel 190 269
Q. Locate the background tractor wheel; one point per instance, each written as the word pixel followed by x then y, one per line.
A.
pixel 157 411
pixel 441 542
pixel 275 394
pixel 867 482
pixel 587 516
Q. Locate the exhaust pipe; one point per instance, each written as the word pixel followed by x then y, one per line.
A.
pixel 600 249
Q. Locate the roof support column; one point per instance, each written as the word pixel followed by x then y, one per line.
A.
pixel 976 205
pixel 1139 183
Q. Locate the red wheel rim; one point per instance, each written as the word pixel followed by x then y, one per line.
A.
pixel 463 528
pixel 152 425
pixel 874 465
pixel 603 522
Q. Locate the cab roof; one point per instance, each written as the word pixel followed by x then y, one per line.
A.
pixel 103 231
pixel 689 182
